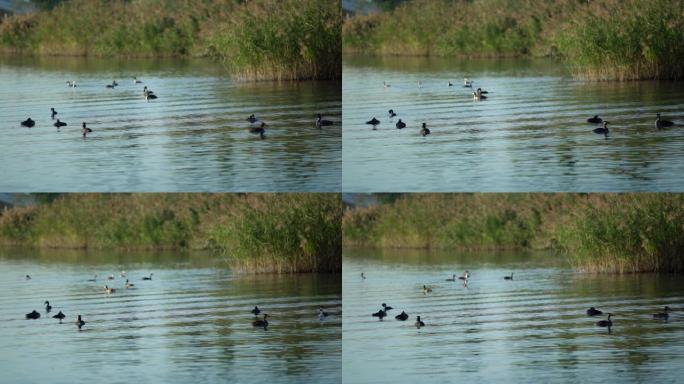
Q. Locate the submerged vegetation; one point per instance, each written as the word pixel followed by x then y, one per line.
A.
pixel 596 232
pixel 256 40
pixel 601 40
pixel 254 232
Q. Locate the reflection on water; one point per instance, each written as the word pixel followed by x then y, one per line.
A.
pixel 529 135
pixel 194 137
pixel 533 326
pixel 190 323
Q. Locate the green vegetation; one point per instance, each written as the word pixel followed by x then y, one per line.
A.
pixel 255 232
pixel 256 40
pixel 597 232
pixel 601 40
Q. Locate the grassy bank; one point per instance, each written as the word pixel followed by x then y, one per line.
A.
pixel 255 233
pixel 597 232
pixel 256 40
pixel 601 40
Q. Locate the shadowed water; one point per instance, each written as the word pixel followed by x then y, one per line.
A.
pixel 190 323
pixel 194 137
pixel 530 134
pixel 496 330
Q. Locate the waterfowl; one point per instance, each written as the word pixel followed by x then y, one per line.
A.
pixel 481 91
pixel 28 123
pixel 150 96
pixel 465 276
pixel 33 315
pixel 128 285
pixel 662 315
pixel 509 277
pixel 660 124
pixel 605 323
pixel 450 84
pixel 593 312
pixel 380 314
pixel 391 113
pixel 386 307
pixel 479 96
pixel 147 91
pixel 373 121
pixel 114 83
pixel 28 277
pixel 122 274
pixel 85 130
pixel 79 322
pixel 260 130
pixel 384 83
pixel 400 124
pixel 595 120
pixel 252 119
pixel 322 123
pixel 419 323
pixel 322 314
pixel 59 316
pixel 71 83
pixel 424 131
pixel 261 323
pixel 136 81
pixel 59 124
pixel 420 85
pixel 110 277
pixel 48 307
pixel 148 278
pixel 452 278
pixel 109 290
pixel 53 112
pixel 403 316
pixel 363 277
pixel 256 310
pixel 426 290
pixel 604 130
pixel 467 83
pixel 93 279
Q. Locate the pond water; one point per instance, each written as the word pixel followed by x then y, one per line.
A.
pixel 496 330
pixel 190 323
pixel 194 137
pixel 530 134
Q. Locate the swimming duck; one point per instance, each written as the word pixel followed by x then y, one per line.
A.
pixel 85 130
pixel 128 285
pixel 380 314
pixel 467 83
pixel 403 316
pixel 136 81
pixel 256 310
pixel 420 85
pixel 150 96
pixel 479 96
pixel 122 274
pixel 48 307
pixel 450 84
pixel 509 277
pixel 465 276
pixel 110 277
pixel 80 323
pixel 400 124
pixel 322 123
pixel 59 316
pixel 33 315
pixel 424 131
pixel 605 323
pixel 93 279
pixel 28 277
pixel 53 112
pixel 481 91
pixel 662 315
pixel 373 121
pixel 261 323
pixel 593 312
pixel 59 124
pixel 426 290
pixel 148 278
pixel 112 85
pixel 384 83
pixel 452 278
pixel 660 124
pixel 386 307
pixel 147 91
pixel 71 83
pixel 322 314
pixel 28 123
pixel 419 323
pixel 260 130
pixel 595 120
pixel 252 119
pixel 604 130
pixel 109 290
pixel 391 113
pixel 363 277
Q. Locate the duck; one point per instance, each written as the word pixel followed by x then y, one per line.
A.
pixel 400 124
pixel 85 130
pixel 482 91
pixel 660 124
pixel 111 86
pixel 71 83
pixel 467 83
pixel 33 315
pixel 59 316
pixel 604 130
pixel 260 130
pixel 252 119
pixel 256 310
pixel 662 315
pixel 363 276
pixel 380 314
pixel 373 121
pixel 128 285
pixel 593 312
pixel 403 316
pixel 426 289
pixel 110 277
pixel 384 84
pixel 122 274
pixel 148 278
pixel 465 276
pixel 114 83
pixel 80 323
pixel 28 277
pixel 322 123
pixel 385 307
pixel 450 84
pixel 419 323
pixel 420 85
pixel 109 290
pixel 93 279
pixel 136 81
pixel 509 277
pixel 595 120
pixel 147 91
pixel 59 124
pixel 150 96
pixel 261 323
pixel 322 314
pixel 605 323
pixel 53 112
pixel 48 307
pixel 424 131
pixel 391 113
pixel 452 278
pixel 28 123
pixel 479 96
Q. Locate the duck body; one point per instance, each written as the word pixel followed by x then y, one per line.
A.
pixel 662 315
pixel 261 323
pixel 595 120
pixel 386 307
pixel 48 307
pixel 85 130
pixel 380 314
pixel 391 113
pixel 400 124
pixel 53 112
pixel 509 277
pixel 465 276
pixel 28 123
pixel 260 130
pixel 33 315
pixel 603 130
pixel 419 323
pixel 403 316
pixel 424 131
pixel 426 289
pixel 93 279
pixel 256 310
pixel 322 314
pixel 59 124
pixel 252 119
pixel 593 312
pixel 128 285
pixel 148 277
pixel 320 122
pixel 373 121
pixel 660 123
pixel 605 323
pixel 79 322
pixel 109 290
pixel 59 316
pixel 452 278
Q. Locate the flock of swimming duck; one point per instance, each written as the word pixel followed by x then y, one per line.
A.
pixel 263 323
pixel 465 277
pixel 480 94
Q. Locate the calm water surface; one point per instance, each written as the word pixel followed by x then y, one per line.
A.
pixel 194 137
pixel 529 135
pixel 494 330
pixel 191 323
